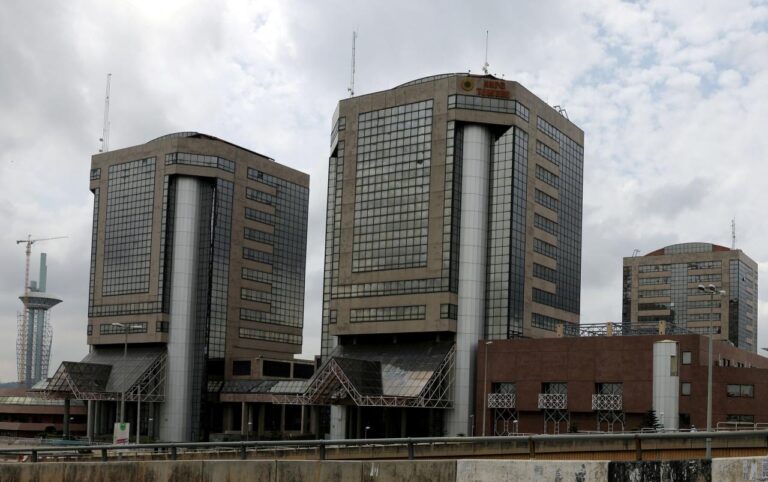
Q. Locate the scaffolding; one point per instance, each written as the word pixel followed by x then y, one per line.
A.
pixel 34 333
pixel 33 345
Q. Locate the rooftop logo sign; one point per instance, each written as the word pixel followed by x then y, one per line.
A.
pixel 485 87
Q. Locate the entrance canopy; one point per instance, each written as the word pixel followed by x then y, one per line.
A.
pixel 107 374
pixel 399 375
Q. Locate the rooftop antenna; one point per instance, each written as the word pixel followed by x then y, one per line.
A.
pixel 105 130
pixel 351 87
pixel 485 65
pixel 733 233
pixel 635 252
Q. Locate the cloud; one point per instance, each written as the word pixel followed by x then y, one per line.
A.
pixel 671 96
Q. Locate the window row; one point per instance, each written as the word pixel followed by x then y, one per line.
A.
pixel 389 313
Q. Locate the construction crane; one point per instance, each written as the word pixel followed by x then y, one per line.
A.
pixel 29 242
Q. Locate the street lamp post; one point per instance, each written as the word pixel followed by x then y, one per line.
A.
pixel 125 328
pixel 711 290
pixel 485 383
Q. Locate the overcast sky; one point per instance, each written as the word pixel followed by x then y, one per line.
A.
pixel 672 97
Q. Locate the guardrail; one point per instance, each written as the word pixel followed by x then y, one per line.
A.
pixel 451 446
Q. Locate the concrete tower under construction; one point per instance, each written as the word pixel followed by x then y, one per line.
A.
pixel 33 340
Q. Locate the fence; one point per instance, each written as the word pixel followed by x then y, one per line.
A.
pixel 628 446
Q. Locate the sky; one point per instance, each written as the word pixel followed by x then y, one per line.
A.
pixel 672 97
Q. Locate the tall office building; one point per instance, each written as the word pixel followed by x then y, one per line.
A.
pixel 664 284
pixel 197 272
pixel 454 215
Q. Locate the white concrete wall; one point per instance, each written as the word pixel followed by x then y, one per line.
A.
pixel 733 469
pixel 472 260
pixel 666 383
pixel 493 470
pixel 175 423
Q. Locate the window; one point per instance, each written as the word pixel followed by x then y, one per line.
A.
pixel 740 418
pixel 503 387
pixel 686 358
pixel 303 370
pixel 609 388
pixel 110 329
pixel 241 368
pixel 271 368
pixel 735 390
pixel 673 366
pixel 685 388
pixel 555 388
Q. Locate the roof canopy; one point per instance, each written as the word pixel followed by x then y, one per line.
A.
pixel 402 375
pixel 108 373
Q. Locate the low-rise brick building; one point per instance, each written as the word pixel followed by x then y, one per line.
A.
pixel 607 383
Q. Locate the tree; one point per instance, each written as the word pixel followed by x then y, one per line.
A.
pixel 651 421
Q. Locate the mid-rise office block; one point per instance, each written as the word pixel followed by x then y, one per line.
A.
pixel 454 215
pixel 197 272
pixel 664 286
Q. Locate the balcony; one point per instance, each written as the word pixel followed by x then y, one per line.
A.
pixel 502 400
pixel 607 402
pixel 553 401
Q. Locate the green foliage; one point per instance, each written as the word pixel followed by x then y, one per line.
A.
pixel 651 421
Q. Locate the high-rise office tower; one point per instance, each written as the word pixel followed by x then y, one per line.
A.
pixel 197 272
pixel 454 215
pixel 33 340
pixel 664 285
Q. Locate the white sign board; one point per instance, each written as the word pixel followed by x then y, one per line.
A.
pixel 121 434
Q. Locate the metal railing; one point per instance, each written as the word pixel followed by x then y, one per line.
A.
pixel 403 448
pixel 502 400
pixel 607 402
pixel 553 401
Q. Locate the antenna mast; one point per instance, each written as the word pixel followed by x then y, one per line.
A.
pixel 486 65
pixel 105 130
pixel 351 87
pixel 733 233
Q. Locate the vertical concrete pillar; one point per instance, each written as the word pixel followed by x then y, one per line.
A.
pixel 666 383
pixel 262 415
pixel 66 418
pixel 243 419
pixel 338 422
pixel 314 421
pixel 358 422
pixel 90 421
pixel 175 420
pixel 470 327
